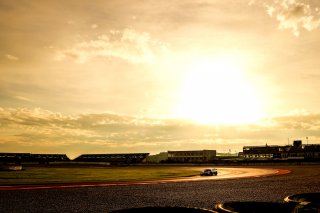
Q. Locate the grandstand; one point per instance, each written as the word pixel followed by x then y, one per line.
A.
pixel 47 158
pixel 113 158
pixel 19 158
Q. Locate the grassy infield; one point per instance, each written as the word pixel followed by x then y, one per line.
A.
pixel 41 175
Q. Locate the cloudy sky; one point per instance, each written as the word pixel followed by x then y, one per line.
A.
pixel 114 76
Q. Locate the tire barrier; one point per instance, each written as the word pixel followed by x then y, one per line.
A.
pixel 307 202
pixel 165 210
pixel 254 207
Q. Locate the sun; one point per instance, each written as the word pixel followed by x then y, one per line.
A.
pixel 215 91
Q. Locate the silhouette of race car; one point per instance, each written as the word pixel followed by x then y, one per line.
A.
pixel 209 172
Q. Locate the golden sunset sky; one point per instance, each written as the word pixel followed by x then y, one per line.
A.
pixel 115 76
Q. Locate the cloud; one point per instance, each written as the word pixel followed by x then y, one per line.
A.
pixel 11 57
pixel 298 122
pixel 294 15
pixel 251 2
pixel 22 98
pixel 94 26
pixel 38 129
pixel 129 45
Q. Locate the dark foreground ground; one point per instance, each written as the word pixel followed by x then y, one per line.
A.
pixel 204 194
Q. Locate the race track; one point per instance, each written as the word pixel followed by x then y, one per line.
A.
pixel 223 174
pixel 203 194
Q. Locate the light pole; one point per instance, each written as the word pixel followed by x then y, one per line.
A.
pixel 307 140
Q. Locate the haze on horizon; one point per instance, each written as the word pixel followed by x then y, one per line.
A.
pixel 144 76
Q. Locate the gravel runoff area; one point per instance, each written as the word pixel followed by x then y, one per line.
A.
pixel 203 194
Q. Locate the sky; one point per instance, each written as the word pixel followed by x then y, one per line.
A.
pixel 123 76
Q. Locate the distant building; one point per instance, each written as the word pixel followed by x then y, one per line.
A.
pixel 194 156
pixel 295 151
pixel 262 152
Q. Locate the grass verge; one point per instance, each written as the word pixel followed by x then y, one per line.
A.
pixel 43 175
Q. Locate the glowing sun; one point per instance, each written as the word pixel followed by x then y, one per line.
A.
pixel 216 92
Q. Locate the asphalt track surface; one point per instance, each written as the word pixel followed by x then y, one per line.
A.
pixel 224 173
pixel 204 194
